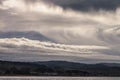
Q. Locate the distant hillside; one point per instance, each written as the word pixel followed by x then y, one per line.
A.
pixel 28 34
pixel 58 68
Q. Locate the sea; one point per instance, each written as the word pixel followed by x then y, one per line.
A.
pixel 59 78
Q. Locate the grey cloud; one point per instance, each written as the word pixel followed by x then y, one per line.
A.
pixel 110 35
pixel 81 5
pixel 68 27
pixel 87 5
pixel 32 49
pixel 26 34
pixel 63 27
pixel 20 43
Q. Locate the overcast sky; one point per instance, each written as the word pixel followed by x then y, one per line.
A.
pixel 66 28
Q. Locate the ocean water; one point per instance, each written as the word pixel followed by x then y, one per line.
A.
pixel 59 78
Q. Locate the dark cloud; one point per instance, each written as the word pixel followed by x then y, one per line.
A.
pixel 70 31
pixel 1 1
pixel 87 5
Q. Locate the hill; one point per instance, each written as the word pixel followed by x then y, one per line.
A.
pixel 58 68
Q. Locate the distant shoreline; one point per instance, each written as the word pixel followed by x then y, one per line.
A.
pixel 58 69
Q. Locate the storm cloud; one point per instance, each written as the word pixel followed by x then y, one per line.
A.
pixel 64 28
pixel 87 5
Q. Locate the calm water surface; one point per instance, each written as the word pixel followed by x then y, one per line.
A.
pixel 59 78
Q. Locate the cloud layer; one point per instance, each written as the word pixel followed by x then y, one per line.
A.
pixel 87 5
pixel 20 46
pixel 73 27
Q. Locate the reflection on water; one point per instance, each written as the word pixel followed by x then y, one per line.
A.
pixel 59 78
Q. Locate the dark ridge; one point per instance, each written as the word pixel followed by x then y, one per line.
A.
pixel 58 68
pixel 28 34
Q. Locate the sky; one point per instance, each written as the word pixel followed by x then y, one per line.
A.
pixel 86 31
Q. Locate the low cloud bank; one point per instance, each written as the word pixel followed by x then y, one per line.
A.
pixel 30 49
